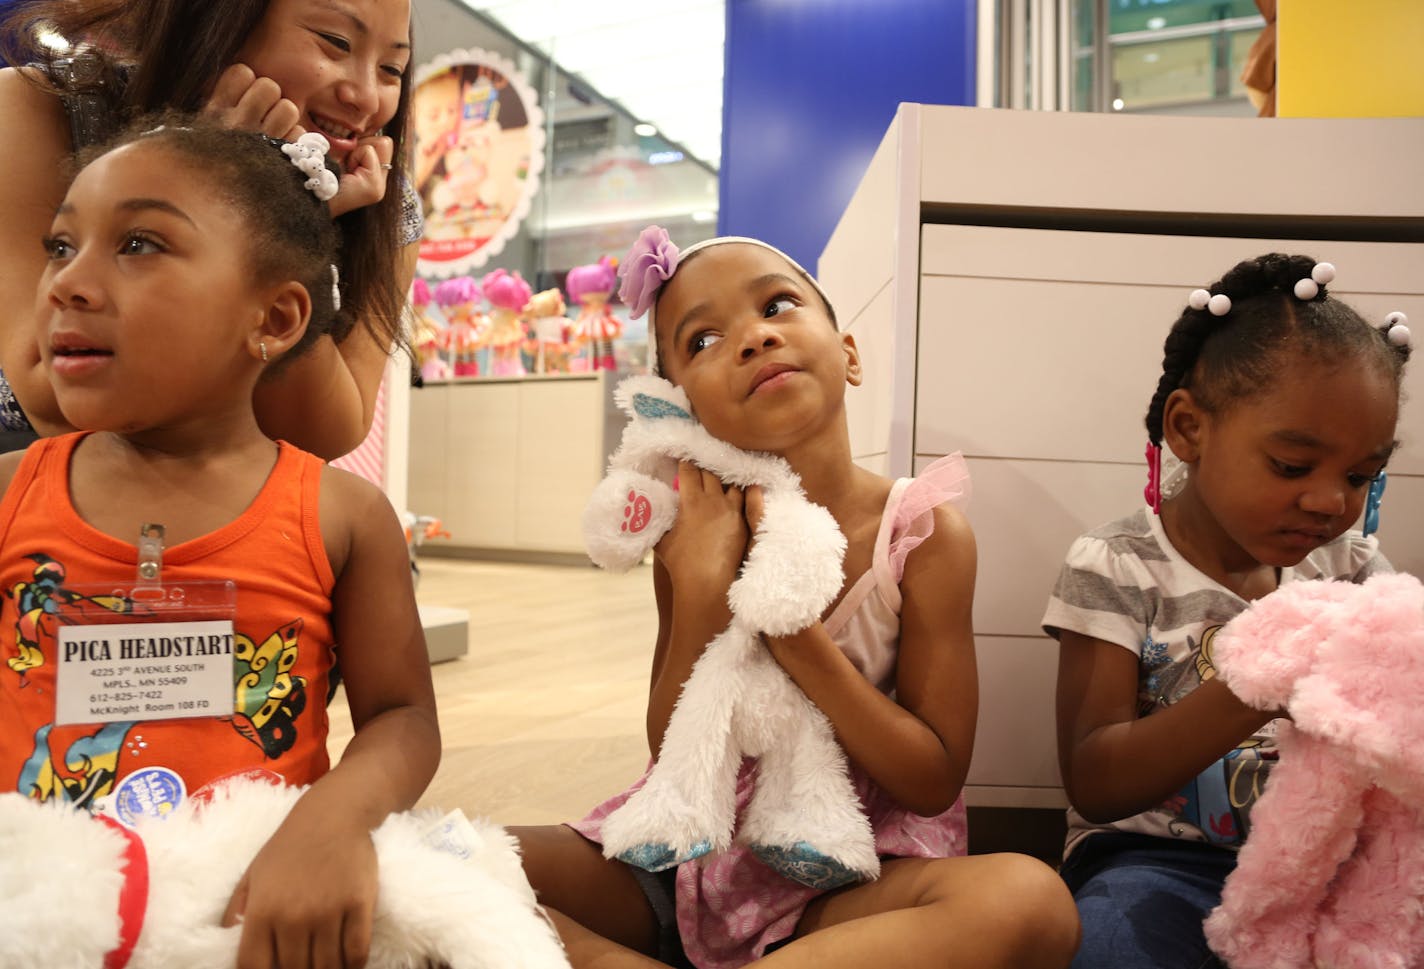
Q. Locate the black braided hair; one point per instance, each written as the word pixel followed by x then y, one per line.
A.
pixel 290 232
pixel 1224 359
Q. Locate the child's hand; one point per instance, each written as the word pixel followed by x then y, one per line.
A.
pixel 307 898
pixel 241 99
pixel 363 181
pixel 705 547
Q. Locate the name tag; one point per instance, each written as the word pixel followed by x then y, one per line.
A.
pixel 144 671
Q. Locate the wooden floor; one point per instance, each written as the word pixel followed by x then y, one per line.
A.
pixel 544 717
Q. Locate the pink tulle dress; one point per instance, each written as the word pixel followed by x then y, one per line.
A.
pixel 730 906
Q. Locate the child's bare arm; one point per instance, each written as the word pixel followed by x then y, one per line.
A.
pixel 384 663
pixel 1116 765
pixel 313 885
pixel 916 747
pixel 695 564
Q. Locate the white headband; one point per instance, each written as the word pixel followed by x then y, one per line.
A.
pixel 708 244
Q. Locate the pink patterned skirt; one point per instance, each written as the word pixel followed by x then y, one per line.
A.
pixel 730 906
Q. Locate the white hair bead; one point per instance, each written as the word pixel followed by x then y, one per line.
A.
pixel 1396 330
pixel 1306 289
pixel 1219 305
pixel 1198 299
pixel 1324 272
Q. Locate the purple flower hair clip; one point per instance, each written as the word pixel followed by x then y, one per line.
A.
pixel 650 262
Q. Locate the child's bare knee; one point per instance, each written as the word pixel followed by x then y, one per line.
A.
pixel 1020 902
pixel 1043 916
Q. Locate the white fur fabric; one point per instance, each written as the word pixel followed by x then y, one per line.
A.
pixel 60 877
pixel 738 701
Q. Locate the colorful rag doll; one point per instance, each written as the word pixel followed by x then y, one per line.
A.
pixel 1332 873
pixel 427 336
pixel 468 328
pixel 548 331
pixel 804 820
pixel 508 294
pixel 595 327
pixel 76 890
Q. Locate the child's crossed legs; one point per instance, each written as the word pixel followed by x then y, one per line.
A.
pixel 977 912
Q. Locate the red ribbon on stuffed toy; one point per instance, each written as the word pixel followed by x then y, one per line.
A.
pixel 133 897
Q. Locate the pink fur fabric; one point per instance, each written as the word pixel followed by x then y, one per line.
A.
pixel 1332 874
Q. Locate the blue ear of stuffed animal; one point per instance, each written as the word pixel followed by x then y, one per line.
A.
pixel 655 408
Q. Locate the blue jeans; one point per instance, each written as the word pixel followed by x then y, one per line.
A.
pixel 1142 900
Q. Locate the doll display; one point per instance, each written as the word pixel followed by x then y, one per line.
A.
pixel 595 328
pixel 428 336
pixel 804 821
pixel 468 328
pixel 508 294
pixel 548 331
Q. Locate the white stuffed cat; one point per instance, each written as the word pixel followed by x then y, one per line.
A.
pixel 804 820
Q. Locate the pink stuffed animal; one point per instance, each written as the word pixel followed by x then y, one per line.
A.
pixel 1333 871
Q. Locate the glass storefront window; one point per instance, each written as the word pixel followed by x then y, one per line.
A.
pixel 1164 56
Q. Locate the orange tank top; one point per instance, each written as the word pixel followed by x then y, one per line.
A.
pixel 281 645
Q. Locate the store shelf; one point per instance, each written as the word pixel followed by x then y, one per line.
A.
pixel 507 464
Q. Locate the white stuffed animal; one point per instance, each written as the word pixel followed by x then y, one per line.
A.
pixel 76 890
pixel 804 820
pixel 308 153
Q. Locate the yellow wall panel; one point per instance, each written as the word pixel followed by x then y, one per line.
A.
pixel 1349 58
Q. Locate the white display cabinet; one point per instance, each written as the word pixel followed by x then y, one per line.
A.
pixel 508 464
pixel 1009 278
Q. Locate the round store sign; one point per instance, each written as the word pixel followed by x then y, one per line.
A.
pixel 479 150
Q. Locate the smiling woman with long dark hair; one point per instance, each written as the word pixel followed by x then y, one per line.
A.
pixel 340 67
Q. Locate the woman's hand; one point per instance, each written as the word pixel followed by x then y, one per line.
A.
pixel 364 178
pixel 243 100
pixel 308 897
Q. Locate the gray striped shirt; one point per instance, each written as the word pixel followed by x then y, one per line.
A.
pixel 1124 583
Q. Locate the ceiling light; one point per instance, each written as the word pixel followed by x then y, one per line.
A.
pixel 703 215
pixel 644 130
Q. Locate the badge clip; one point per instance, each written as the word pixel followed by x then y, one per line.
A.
pixel 150 557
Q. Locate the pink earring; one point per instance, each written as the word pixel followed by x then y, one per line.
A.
pixel 1153 491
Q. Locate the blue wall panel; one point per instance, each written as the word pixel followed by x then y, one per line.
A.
pixel 810 87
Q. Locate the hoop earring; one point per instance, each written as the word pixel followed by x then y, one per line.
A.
pixel 1372 503
pixel 262 345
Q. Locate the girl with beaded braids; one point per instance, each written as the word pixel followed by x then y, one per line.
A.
pixel 1280 403
pixel 185 265
pixel 281 67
